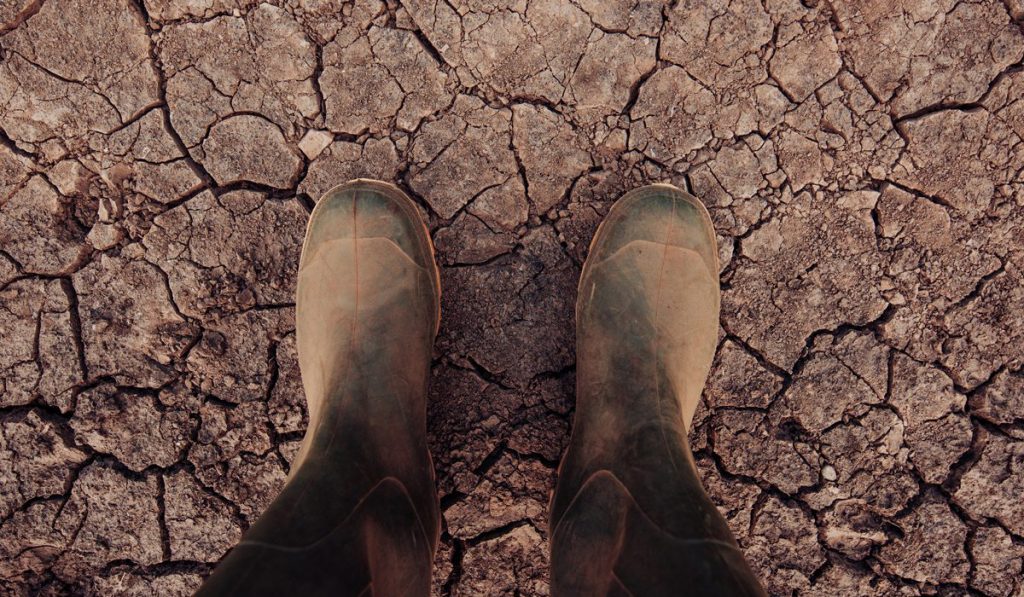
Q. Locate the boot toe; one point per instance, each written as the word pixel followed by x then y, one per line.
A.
pixel 368 209
pixel 661 214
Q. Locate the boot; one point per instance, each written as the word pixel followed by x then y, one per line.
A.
pixel 359 514
pixel 629 514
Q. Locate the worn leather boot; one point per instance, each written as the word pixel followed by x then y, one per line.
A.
pixel 629 515
pixel 359 515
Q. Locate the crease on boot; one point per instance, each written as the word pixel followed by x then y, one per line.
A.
pixel 606 544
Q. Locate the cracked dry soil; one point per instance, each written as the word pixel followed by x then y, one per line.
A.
pixel 863 426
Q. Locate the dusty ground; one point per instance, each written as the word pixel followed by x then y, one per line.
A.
pixel 863 161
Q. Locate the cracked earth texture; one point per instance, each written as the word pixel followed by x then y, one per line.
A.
pixel 863 425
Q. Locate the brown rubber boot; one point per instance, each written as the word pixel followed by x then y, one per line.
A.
pixel 359 515
pixel 629 514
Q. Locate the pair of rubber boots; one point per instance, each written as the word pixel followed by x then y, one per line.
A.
pixel 360 516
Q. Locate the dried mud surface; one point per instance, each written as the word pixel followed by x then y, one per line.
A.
pixel 863 426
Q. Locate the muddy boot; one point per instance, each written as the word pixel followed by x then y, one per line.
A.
pixel 629 515
pixel 359 514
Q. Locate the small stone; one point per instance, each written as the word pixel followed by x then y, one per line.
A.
pixel 314 142
pixel 105 236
